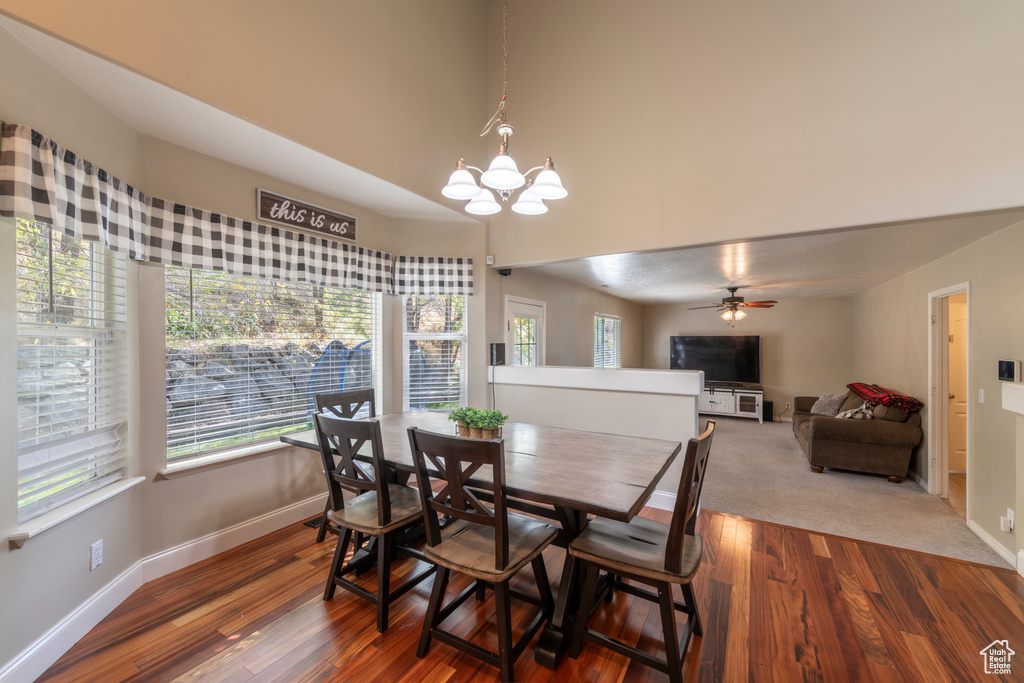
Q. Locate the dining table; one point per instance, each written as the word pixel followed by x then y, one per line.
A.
pixel 561 474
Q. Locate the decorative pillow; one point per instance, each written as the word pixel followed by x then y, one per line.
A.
pixel 828 404
pixel 890 413
pixel 865 412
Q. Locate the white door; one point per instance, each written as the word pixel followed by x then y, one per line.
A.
pixel 957 428
pixel 525 323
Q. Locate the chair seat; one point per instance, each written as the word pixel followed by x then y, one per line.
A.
pixel 635 548
pixel 469 548
pixel 360 513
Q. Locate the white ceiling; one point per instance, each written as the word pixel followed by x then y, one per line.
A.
pixel 164 113
pixel 833 264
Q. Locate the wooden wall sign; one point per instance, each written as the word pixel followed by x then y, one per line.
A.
pixel 296 214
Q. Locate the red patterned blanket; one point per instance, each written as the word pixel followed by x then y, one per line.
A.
pixel 876 394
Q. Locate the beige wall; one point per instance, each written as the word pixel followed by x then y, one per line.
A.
pixel 891 336
pixel 806 344
pixel 355 80
pixel 570 316
pixel 681 123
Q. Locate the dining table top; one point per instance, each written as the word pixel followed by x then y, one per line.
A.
pixel 608 475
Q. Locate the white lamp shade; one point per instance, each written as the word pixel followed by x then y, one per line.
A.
pixel 461 186
pixel 548 185
pixel 529 204
pixel 483 203
pixel 503 174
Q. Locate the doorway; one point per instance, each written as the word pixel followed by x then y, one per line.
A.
pixel 525 330
pixel 949 433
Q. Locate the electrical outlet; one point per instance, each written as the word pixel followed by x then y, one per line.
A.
pixel 981 395
pixel 96 554
pixel 787 405
pixel 1009 515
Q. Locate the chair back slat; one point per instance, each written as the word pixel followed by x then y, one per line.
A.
pixel 347 403
pixel 340 440
pixel 454 460
pixel 691 483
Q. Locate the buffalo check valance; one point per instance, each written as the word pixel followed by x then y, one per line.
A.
pixel 184 236
pixel 41 180
pixel 433 275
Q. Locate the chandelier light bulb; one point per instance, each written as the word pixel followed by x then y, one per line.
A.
pixel 548 185
pixel 529 204
pixel 483 204
pixel 461 185
pixel 503 174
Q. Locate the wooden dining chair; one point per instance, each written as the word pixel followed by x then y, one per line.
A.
pixel 382 509
pixel 487 543
pixel 343 404
pixel 651 553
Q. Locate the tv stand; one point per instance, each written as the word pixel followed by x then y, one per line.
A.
pixel 732 398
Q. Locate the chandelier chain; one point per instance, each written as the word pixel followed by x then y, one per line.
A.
pixel 500 115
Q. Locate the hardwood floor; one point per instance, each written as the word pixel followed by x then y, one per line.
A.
pixel 778 604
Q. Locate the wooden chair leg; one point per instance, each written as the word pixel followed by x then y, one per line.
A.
pixel 695 626
pixel 481 590
pixel 339 560
pixel 590 572
pixel 668 626
pixel 433 609
pixel 321 531
pixel 503 617
pixel 384 544
pixel 540 574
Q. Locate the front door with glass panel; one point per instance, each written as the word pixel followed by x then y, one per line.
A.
pixel 524 330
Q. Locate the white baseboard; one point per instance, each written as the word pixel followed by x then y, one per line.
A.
pixel 39 656
pixel 179 557
pixel 662 501
pixel 1002 550
pixel 917 478
pixel 1020 562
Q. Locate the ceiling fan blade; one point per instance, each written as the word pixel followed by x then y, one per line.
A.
pixel 698 308
pixel 766 301
pixel 758 304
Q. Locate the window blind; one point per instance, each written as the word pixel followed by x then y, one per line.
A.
pixel 433 341
pixel 72 374
pixel 245 355
pixel 607 341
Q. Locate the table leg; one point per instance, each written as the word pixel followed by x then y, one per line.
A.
pixel 553 640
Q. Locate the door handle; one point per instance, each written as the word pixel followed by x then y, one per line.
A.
pixel 952 396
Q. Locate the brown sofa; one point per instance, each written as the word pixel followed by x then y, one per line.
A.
pixel 879 446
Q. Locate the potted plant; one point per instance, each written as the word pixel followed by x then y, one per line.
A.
pixel 478 423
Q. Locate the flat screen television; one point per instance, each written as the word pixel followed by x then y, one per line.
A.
pixel 723 359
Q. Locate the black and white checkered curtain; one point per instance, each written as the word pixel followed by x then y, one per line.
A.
pixel 433 275
pixel 40 180
pixel 184 236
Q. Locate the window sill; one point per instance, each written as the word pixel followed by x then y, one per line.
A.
pixel 222 459
pixel 42 524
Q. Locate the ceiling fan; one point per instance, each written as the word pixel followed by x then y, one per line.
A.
pixel 732 306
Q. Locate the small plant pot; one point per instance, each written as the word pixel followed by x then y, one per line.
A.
pixel 490 433
pixel 464 430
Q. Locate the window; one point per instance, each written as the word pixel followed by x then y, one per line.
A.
pixel 245 355
pixel 72 375
pixel 524 330
pixel 607 341
pixel 434 336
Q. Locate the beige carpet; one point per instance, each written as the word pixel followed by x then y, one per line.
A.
pixel 759 471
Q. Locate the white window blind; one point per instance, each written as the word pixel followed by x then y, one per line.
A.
pixel 433 341
pixel 246 355
pixel 607 341
pixel 72 371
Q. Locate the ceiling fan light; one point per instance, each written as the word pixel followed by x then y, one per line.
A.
pixel 461 185
pixel 549 186
pixel 503 174
pixel 483 204
pixel 739 314
pixel 729 315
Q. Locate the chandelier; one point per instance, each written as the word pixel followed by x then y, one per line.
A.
pixel 503 175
